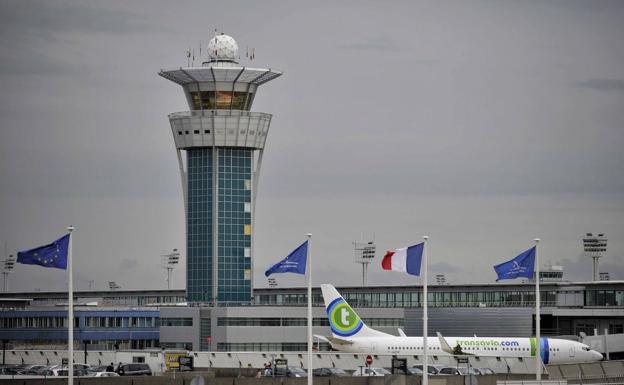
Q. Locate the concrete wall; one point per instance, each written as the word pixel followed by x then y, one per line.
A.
pixel 185 379
pixel 250 360
pixel 188 334
pixel 235 334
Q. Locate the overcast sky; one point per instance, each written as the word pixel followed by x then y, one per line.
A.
pixel 483 124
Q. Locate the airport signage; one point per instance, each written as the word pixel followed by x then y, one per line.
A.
pixel 185 364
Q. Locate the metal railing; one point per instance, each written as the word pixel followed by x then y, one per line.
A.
pixel 211 113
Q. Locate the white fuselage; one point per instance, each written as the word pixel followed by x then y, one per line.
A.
pixel 555 351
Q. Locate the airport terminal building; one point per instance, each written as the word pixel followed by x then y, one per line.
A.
pixel 276 318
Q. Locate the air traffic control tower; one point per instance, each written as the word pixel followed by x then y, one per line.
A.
pixel 223 141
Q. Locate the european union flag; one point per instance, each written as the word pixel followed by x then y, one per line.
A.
pixel 52 255
pixel 521 266
pixel 295 262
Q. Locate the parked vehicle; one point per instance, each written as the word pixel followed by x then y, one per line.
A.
pixel 483 371
pixel 99 368
pixel 9 369
pixel 76 367
pixel 134 369
pixel 431 369
pixel 63 372
pixel 459 371
pixel 414 372
pixel 326 372
pixel 104 374
pixel 449 371
pixel 291 371
pixel 31 369
pixel 372 372
pixel 294 371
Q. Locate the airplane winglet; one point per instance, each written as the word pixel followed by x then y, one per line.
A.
pixel 444 345
pixel 447 348
pixel 401 332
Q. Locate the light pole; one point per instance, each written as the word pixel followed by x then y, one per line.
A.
pixel 595 247
pixel 8 265
pixel 169 262
pixel 364 254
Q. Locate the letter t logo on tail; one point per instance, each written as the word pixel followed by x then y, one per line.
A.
pixel 344 313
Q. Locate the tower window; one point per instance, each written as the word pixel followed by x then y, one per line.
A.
pixel 221 100
pixel 196 132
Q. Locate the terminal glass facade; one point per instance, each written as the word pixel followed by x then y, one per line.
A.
pixel 407 299
pixel 233 186
pixel 199 225
pixel 234 277
pixel 601 298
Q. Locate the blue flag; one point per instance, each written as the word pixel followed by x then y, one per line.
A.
pixel 295 262
pixel 521 266
pixel 52 255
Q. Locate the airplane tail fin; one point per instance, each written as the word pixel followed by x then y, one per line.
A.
pixel 343 320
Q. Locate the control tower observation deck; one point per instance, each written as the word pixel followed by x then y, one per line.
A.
pixel 224 142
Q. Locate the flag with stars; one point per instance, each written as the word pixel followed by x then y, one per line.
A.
pixel 52 255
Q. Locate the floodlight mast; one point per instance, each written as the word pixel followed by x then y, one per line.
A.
pixel 8 265
pixel 364 254
pixel 595 246
pixel 169 262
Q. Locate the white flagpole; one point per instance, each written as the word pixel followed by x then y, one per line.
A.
pixel 70 316
pixel 538 353
pixel 425 379
pixel 309 269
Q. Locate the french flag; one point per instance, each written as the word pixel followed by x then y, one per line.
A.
pixel 407 259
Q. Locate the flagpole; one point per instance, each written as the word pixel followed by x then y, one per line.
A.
pixel 70 316
pixel 538 353
pixel 425 380
pixel 309 269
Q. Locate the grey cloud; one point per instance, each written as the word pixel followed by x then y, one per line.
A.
pixel 128 264
pixel 604 84
pixel 40 37
pixel 443 268
pixel 372 44
pixel 46 19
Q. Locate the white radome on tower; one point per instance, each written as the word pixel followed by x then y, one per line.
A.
pixel 223 47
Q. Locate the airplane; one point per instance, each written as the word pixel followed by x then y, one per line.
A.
pixel 350 334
